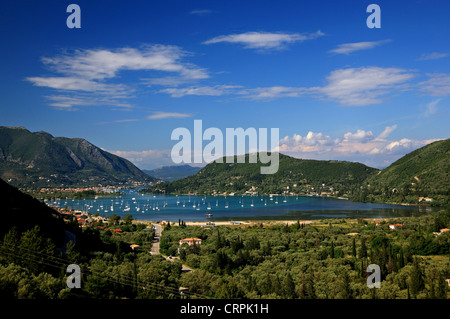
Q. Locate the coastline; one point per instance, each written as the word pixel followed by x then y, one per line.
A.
pixel 251 223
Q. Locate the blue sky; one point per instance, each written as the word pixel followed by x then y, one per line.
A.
pixel 137 70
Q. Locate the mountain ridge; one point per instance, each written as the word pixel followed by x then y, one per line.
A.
pixel 39 159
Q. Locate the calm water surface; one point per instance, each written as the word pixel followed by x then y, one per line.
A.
pixel 197 208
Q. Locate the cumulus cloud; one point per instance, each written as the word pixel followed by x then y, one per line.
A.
pixel 347 48
pixel 359 136
pixel 361 146
pixel 264 40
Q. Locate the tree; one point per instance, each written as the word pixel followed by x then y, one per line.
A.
pixel 354 247
pixel 416 281
pixel 345 286
pixel 288 287
pixel 332 250
pixel 307 290
pixel 363 248
pixel 128 219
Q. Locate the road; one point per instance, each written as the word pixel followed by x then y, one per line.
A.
pixel 156 239
pixel 155 248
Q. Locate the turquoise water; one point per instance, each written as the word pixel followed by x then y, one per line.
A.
pixel 195 208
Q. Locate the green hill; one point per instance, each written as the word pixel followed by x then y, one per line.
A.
pixel 424 172
pixel 301 176
pixel 25 212
pixel 40 160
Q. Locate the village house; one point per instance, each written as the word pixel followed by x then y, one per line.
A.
pixel 190 241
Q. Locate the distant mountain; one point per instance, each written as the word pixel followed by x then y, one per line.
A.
pixel 38 159
pixel 172 173
pixel 297 174
pixel 424 172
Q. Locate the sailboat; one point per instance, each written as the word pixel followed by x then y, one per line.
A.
pixel 252 203
pixel 209 206
pixel 226 205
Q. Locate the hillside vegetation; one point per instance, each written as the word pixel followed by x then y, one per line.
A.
pixel 293 175
pixel 421 175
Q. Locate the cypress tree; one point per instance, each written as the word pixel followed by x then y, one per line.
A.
pixel 416 278
pixel 354 247
pixel 401 259
pixel 363 248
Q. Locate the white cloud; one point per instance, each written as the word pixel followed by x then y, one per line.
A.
pixel 272 92
pixel 361 146
pixel 103 64
pixel 201 12
pixel 89 71
pixel 347 48
pixel 264 40
pixel 360 136
pixel 431 108
pixel 432 56
pixel 167 115
pixel 349 87
pixel 387 131
pixel 157 115
pixel 363 86
pixel 438 84
pixel 71 102
pixel 217 90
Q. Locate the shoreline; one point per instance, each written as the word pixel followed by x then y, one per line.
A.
pixel 265 223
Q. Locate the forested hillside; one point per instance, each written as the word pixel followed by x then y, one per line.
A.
pixel 296 175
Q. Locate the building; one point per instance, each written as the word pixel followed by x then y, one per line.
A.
pixel 393 226
pixel 190 241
